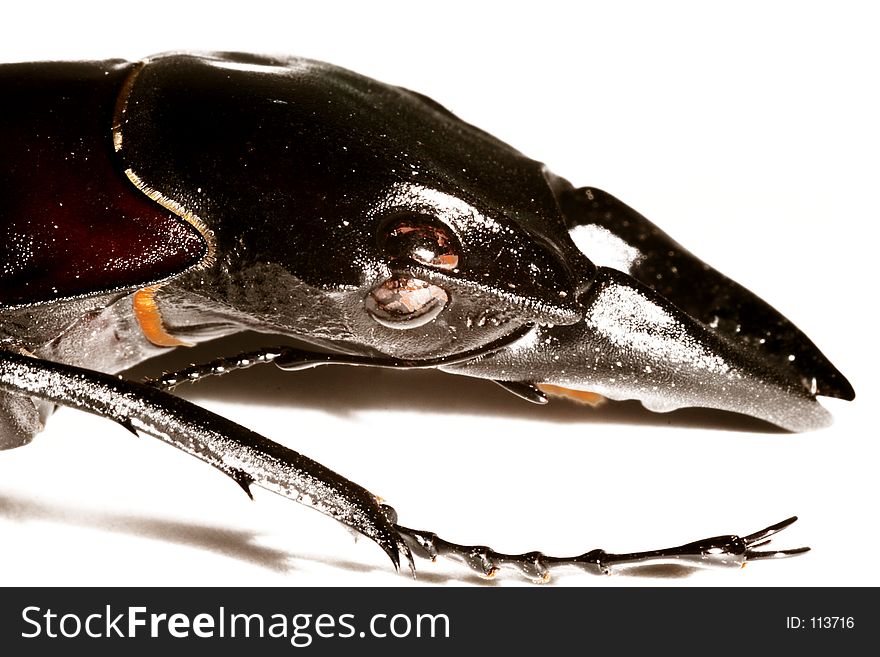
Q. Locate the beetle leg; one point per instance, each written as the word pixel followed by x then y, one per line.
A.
pixel 217 367
pixel 717 551
pixel 295 359
pixel 303 360
pixel 727 550
pixel 235 450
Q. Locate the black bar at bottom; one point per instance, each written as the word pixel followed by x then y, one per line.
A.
pixel 433 621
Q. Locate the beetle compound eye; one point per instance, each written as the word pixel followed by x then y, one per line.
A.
pixel 422 239
pixel 405 303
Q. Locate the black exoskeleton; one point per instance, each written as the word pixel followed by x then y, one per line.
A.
pixel 167 202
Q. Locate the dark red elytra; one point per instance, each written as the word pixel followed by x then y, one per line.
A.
pixel 73 224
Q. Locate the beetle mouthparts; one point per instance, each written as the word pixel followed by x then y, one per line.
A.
pixel 700 292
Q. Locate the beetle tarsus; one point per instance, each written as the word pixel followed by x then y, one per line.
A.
pixel 718 551
pixel 763 537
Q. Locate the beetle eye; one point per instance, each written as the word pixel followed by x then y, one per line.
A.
pixel 422 239
pixel 405 303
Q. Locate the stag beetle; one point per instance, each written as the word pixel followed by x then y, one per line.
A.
pixel 162 203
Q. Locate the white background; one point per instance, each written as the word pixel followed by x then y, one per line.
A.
pixel 750 134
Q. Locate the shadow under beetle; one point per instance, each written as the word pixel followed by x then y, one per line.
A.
pixel 166 202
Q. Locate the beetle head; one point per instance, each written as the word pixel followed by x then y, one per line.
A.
pixel 371 220
pixel 348 211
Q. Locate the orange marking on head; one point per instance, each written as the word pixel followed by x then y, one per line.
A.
pixel 146 311
pixel 447 261
pixel 581 396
